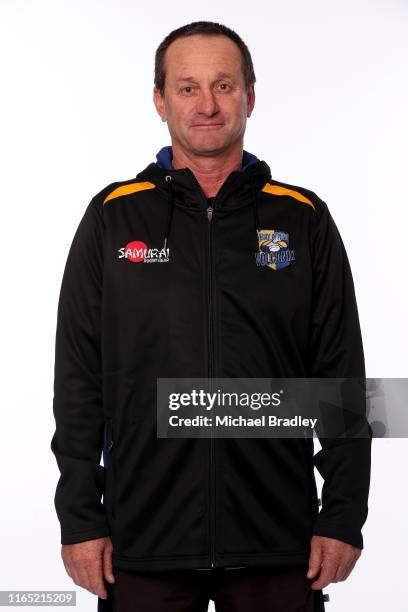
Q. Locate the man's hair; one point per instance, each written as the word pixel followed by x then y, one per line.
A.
pixel 202 27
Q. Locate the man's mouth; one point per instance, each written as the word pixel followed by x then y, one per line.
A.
pixel 208 125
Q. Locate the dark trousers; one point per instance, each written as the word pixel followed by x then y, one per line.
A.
pixel 255 589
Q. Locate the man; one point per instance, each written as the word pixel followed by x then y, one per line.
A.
pixel 247 277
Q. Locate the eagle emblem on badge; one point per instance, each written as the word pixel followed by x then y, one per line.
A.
pixel 274 250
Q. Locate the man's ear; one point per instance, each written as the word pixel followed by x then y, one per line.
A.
pixel 158 100
pixel 250 100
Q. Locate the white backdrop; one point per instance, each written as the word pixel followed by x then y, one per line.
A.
pixel 77 114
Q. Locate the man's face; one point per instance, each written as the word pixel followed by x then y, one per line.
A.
pixel 205 102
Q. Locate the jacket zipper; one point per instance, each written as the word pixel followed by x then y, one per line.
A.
pixel 210 211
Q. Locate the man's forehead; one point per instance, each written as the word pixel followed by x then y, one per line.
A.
pixel 185 55
pixel 217 75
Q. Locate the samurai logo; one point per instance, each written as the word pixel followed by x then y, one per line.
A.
pixel 274 249
pixel 138 252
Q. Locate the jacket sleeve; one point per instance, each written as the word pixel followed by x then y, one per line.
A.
pixel 77 442
pixel 336 351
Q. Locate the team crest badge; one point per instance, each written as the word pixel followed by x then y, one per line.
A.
pixel 274 250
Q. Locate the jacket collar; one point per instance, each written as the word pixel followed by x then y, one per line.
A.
pixel 187 191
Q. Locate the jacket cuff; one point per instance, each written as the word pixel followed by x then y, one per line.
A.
pixel 339 531
pixel 74 537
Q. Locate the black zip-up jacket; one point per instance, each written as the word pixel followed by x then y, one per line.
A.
pixel 159 284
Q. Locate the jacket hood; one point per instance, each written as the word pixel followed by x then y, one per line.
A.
pixel 240 188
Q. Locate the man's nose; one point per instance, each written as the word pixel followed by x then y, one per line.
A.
pixel 207 103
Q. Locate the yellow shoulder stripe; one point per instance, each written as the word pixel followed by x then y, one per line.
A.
pixel 279 190
pixel 126 189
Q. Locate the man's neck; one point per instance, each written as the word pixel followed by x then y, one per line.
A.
pixel 210 172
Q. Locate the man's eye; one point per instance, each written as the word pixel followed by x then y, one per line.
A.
pixel 189 88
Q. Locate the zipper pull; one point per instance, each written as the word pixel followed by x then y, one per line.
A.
pixel 209 212
pixel 110 445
